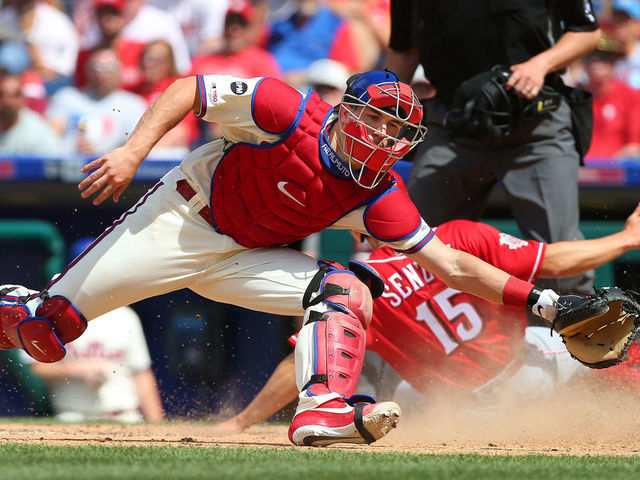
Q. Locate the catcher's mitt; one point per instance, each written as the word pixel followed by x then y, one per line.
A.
pixel 598 329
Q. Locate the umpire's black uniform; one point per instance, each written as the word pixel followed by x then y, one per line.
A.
pixel 538 162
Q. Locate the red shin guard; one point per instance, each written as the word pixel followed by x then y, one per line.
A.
pixel 340 343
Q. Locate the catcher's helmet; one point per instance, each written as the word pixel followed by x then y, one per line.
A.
pixel 382 124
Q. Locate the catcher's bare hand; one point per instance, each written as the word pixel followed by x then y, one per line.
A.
pixel 113 173
pixel 527 79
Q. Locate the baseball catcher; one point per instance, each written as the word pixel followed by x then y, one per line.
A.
pixel 598 329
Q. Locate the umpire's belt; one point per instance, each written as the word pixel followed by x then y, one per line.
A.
pixel 187 191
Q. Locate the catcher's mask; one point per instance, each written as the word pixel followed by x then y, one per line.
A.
pixel 482 107
pixel 380 119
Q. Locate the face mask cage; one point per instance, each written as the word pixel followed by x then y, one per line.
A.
pixel 372 149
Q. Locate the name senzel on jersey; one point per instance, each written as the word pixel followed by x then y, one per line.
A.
pixel 400 285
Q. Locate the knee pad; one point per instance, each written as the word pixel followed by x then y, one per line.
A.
pixel 333 343
pixel 43 335
pixel 350 291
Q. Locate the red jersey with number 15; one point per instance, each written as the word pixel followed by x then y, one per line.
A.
pixel 438 338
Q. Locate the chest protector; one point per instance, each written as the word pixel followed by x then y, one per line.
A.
pixel 275 194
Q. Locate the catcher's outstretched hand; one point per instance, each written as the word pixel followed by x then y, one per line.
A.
pixel 598 329
pixel 111 174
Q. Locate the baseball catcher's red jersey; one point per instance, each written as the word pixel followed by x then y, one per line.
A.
pixel 273 194
pixel 438 338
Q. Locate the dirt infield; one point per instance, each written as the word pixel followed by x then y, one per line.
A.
pixel 582 422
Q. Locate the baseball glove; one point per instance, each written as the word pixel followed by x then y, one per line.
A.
pixel 598 329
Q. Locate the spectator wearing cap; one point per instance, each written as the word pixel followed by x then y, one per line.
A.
pixel 616 106
pixel 312 32
pixel 127 26
pixel 100 116
pixel 50 35
pixel 329 79
pixel 624 28
pixel 239 54
pixel 22 131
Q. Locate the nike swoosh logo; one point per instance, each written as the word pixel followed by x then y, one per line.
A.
pixel 35 344
pixel 540 311
pixel 281 186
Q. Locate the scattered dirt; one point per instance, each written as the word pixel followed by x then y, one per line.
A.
pixel 580 422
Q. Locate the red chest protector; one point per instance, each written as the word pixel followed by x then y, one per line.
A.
pixel 267 195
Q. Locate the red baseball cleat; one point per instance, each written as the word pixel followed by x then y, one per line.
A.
pixel 336 421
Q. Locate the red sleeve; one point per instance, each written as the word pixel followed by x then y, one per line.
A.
pixel 275 105
pixel 392 217
pixel 344 48
pixel 520 258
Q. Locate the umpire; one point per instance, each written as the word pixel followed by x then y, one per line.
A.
pixel 517 124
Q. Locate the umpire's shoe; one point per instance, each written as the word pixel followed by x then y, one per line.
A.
pixel 344 421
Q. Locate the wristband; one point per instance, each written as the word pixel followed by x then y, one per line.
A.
pixel 516 292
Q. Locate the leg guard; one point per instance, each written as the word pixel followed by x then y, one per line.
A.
pixel 43 335
pixel 337 342
pixel 329 354
pixel 342 290
pixel 331 344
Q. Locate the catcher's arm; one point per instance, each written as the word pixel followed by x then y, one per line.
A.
pixel 279 391
pixel 467 273
pixel 565 259
pixel 115 170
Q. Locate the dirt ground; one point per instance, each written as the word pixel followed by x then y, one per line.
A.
pixel 572 423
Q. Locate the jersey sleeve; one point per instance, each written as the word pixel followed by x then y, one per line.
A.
pixel 576 15
pixel 225 99
pixel 230 102
pixel 520 258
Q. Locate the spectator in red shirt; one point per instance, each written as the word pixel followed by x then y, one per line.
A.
pixel 111 20
pixel 616 109
pixel 239 55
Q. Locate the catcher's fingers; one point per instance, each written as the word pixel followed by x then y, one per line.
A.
pixel 117 192
pixel 93 164
pixel 95 181
pixel 104 194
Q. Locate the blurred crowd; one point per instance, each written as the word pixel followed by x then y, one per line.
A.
pixel 76 75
